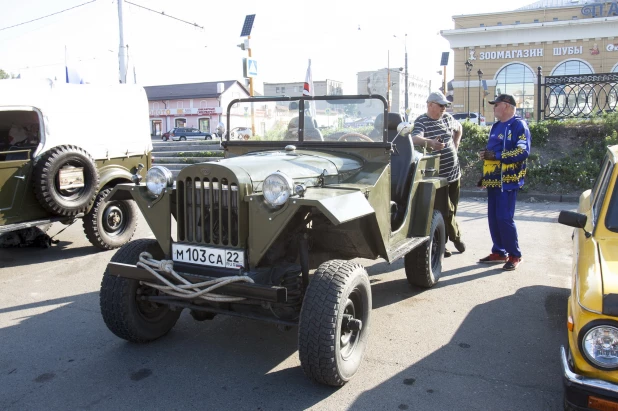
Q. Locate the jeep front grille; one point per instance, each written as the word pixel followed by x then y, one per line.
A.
pixel 208 211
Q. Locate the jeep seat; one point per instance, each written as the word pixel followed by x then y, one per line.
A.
pixel 403 163
pixel 311 133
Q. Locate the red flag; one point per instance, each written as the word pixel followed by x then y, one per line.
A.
pixel 308 87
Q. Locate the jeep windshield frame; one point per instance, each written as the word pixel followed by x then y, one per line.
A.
pixel 330 120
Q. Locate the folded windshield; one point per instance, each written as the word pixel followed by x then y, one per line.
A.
pixel 328 118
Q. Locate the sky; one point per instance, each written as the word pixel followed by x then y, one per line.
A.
pixel 341 38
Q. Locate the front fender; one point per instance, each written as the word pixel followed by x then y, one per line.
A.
pixel 156 211
pixel 338 205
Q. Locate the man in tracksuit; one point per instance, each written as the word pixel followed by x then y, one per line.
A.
pixel 504 169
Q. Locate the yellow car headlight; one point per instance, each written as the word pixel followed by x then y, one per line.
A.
pixel 599 345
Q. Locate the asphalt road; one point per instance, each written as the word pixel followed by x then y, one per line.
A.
pixel 482 339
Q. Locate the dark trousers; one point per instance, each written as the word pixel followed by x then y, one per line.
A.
pixel 452 228
pixel 500 214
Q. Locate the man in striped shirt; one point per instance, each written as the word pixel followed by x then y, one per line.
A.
pixel 441 133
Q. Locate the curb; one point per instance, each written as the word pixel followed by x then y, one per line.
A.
pixel 555 198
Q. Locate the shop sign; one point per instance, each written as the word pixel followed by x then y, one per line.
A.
pixel 612 47
pixel 510 54
pixel 599 10
pixel 568 51
pixel 206 111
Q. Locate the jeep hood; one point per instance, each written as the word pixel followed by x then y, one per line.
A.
pixel 298 165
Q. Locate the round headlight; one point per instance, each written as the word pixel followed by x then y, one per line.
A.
pixel 157 179
pixel 277 188
pixel 600 345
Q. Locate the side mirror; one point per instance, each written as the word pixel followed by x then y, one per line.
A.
pixel 573 219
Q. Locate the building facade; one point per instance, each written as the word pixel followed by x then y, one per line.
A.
pixel 504 50
pixel 321 88
pixel 199 105
pixel 376 82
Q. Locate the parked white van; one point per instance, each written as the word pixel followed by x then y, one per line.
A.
pixel 63 147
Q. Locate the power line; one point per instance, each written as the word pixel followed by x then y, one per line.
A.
pixel 49 15
pixel 165 15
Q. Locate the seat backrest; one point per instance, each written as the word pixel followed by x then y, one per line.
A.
pixel 402 161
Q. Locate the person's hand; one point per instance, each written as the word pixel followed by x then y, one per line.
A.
pixel 436 144
pixel 487 155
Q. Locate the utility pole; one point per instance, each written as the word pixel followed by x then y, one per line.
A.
pixel 121 49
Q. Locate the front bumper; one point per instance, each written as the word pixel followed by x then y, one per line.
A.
pixel 584 393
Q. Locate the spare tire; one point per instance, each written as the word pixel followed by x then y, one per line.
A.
pixel 65 200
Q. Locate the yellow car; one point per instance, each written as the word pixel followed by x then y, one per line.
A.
pixel 590 365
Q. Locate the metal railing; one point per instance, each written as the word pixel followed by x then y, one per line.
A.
pixel 571 96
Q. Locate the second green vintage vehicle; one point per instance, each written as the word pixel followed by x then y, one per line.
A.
pixel 314 187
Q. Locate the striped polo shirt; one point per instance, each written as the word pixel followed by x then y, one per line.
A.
pixel 442 128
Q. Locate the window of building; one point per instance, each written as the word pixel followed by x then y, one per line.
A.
pixel 516 21
pixel 180 122
pixel 203 103
pixel 499 23
pixel 518 80
pixel 571 67
pixel 574 17
pixel 536 20
pixel 282 90
pixel 555 18
pixel 482 24
pixel 277 90
pixel 180 104
pixel 570 100
pixel 204 124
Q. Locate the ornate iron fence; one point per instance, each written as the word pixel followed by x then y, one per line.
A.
pixel 576 96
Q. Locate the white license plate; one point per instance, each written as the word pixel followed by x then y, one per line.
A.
pixel 212 257
pixel 71 177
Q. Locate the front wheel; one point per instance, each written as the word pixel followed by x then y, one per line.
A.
pixel 208 138
pixel 124 312
pixel 182 138
pixel 423 265
pixel 334 322
pixel 110 224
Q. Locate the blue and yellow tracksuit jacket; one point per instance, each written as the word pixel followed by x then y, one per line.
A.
pixel 510 140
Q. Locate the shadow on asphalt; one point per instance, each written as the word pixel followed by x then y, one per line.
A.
pixel 58 354
pixel 476 371
pixel 23 256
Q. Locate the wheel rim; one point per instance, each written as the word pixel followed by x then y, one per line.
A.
pixel 435 248
pixel 148 310
pixel 349 338
pixel 114 219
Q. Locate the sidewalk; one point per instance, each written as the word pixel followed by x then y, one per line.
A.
pixel 556 198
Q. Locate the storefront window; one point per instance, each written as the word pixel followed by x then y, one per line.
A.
pixel 204 124
pixel 518 80
pixel 180 122
pixel 571 67
pixel 571 100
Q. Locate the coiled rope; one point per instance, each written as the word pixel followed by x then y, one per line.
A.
pixel 186 289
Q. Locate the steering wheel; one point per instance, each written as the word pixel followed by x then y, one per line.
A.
pixel 361 137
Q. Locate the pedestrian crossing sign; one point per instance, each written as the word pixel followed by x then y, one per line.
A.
pixel 251 67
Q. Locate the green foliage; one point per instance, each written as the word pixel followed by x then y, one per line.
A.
pixel 201 154
pixel 539 133
pixel 4 75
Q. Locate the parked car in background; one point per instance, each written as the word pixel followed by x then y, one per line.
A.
pixel 186 133
pixel 590 362
pixel 240 133
pixel 461 117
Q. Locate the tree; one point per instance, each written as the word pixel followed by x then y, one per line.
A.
pixel 4 74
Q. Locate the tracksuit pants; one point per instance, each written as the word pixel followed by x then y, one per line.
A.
pixel 501 213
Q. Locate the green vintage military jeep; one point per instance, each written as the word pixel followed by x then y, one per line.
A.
pixel 241 235
pixel 58 162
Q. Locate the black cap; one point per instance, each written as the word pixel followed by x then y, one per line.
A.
pixel 506 98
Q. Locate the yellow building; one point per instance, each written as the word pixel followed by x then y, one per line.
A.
pixel 564 37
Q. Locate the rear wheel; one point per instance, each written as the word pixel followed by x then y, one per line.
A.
pixel 183 138
pixel 124 312
pixel 423 265
pixel 334 322
pixel 208 138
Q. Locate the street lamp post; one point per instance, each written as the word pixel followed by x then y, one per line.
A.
pixel 405 47
pixel 480 73
pixel 469 66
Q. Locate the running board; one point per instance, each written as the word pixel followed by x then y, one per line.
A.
pixel 402 248
pixel 20 226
